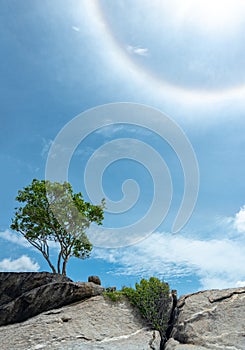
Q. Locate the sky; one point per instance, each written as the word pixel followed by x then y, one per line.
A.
pixel 139 102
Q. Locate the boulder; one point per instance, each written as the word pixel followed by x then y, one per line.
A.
pixel 92 324
pixel 212 319
pixel 23 299
pixel 94 279
pixel 14 284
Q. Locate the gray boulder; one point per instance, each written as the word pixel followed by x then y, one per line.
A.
pixel 213 319
pixel 23 299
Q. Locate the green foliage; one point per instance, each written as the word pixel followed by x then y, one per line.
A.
pixel 152 297
pixel 114 296
pixel 52 212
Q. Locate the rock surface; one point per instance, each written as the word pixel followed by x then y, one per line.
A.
pixel 213 319
pixel 25 295
pixel 96 323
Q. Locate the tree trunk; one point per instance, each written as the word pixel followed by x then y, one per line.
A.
pixel 41 248
pixel 51 266
pixel 49 262
pixel 64 267
pixel 58 262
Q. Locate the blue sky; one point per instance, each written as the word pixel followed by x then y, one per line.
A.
pixel 186 59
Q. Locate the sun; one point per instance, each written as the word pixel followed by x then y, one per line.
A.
pixel 221 21
pixel 213 16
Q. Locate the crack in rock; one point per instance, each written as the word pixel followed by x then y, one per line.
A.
pixel 228 296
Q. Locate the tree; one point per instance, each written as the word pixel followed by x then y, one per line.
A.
pixel 51 212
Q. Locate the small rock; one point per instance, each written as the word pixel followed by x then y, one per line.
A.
pixel 94 279
pixel 111 289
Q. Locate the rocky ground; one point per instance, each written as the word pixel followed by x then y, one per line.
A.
pixel 210 320
pixel 207 320
pixel 24 295
pixel 95 323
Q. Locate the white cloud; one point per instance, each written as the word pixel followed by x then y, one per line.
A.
pixel 20 240
pixel 240 284
pixel 22 264
pixel 14 238
pixel 217 283
pixel 217 263
pixel 138 50
pixel 109 130
pixel 76 29
pixel 239 221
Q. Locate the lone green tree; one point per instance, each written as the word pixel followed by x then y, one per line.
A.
pixel 52 212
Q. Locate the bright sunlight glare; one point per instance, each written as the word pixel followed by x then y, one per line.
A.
pixel 207 15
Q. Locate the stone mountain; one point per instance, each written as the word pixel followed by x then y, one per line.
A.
pixel 74 315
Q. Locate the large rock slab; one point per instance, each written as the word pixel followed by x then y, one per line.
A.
pixel 213 319
pixel 14 284
pixel 95 323
pixel 24 299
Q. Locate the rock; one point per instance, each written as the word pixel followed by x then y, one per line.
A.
pixel 24 302
pixel 13 284
pixel 213 319
pixel 111 289
pixel 92 324
pixel 95 279
pixel 206 320
pixel 175 345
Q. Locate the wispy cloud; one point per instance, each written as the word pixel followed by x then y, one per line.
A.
pixel 129 130
pixel 14 238
pixel 18 239
pixel 137 50
pixel 23 264
pixel 218 263
pixel 240 284
pixel 110 130
pixel 76 29
pixel 46 144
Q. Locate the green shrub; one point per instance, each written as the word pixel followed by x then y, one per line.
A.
pixel 114 296
pixel 152 297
